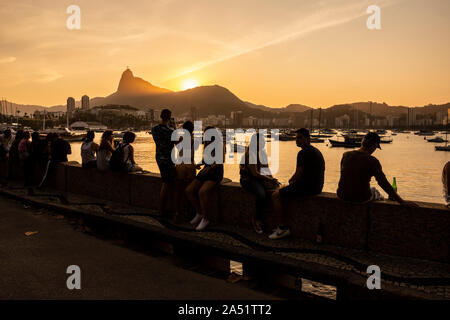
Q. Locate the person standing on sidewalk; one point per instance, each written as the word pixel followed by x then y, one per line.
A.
pixel 162 135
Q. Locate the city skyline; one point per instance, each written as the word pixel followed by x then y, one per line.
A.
pixel 315 53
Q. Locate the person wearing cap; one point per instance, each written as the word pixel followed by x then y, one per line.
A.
pixel 357 169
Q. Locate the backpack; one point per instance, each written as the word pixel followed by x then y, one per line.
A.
pixel 116 162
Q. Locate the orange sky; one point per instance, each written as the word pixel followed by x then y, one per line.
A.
pixel 316 53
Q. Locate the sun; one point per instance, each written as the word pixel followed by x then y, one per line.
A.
pixel 189 84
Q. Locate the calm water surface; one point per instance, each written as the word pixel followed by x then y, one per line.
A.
pixel 412 160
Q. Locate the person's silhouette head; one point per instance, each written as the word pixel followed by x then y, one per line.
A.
pixel 302 138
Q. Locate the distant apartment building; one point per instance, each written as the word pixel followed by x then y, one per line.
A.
pixel 412 117
pixel 393 121
pixel 441 118
pixel 194 114
pixel 342 121
pixel 48 115
pixel 151 115
pixel 382 123
pixel 264 123
pixel 213 120
pixel 250 122
pixel 70 105
pixel 281 122
pixel 85 102
pixel 424 122
pixel 237 118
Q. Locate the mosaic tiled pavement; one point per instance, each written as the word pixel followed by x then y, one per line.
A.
pixel 426 276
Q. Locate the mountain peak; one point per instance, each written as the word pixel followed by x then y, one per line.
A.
pixel 131 85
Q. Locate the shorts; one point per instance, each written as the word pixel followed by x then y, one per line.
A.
pixel 186 172
pixel 296 190
pixel 211 173
pixel 168 172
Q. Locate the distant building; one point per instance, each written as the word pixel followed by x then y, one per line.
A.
pixel 85 102
pixel 237 118
pixel 194 114
pixel 151 115
pixel 411 119
pixel 441 118
pixel 393 121
pixel 342 121
pixel 70 105
pixel 250 122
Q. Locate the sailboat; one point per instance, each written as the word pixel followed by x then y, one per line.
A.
pixel 446 147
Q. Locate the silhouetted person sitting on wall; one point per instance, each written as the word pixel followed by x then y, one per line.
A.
pixel 25 158
pixel 307 180
pixel 105 150
pixel 59 149
pixel 199 192
pixel 6 140
pixel 39 153
pixel 446 182
pixel 128 153
pixel 162 135
pixel 252 180
pixel 185 172
pixel 88 150
pixel 357 169
pixel 14 161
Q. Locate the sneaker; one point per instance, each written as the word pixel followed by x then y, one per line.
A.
pixel 196 219
pixel 202 224
pixel 279 233
pixel 257 226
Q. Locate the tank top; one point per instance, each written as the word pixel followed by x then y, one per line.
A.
pixel 103 157
pixel 126 154
pixel 87 154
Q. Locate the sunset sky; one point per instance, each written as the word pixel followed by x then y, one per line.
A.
pixel 316 53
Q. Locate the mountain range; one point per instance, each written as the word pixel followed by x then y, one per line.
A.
pixel 214 99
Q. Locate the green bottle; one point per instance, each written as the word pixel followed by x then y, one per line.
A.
pixel 394 184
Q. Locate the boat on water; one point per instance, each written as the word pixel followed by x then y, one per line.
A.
pixel 347 143
pixel 354 136
pixel 442 148
pixel 446 147
pixel 386 140
pixel 328 131
pixel 316 140
pixel 64 133
pixel 437 139
pixel 424 133
pixel 286 137
pixel 321 135
pixel 353 142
